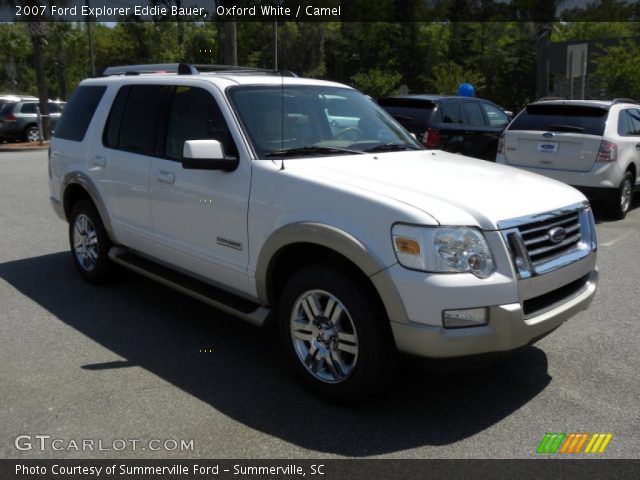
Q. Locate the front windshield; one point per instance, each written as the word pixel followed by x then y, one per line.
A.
pixel 302 121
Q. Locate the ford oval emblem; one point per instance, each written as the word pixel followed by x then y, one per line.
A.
pixel 557 234
pixel 548 134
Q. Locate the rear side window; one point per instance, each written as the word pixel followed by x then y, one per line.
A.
pixel 474 113
pixel 629 122
pixel 134 118
pixel 7 107
pixel 562 118
pixel 28 108
pixel 452 113
pixel 78 112
pixel 414 115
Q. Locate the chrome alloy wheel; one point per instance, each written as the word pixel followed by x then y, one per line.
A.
pixel 85 242
pixel 324 336
pixel 33 135
pixel 625 195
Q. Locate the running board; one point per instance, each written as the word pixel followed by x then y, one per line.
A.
pixel 216 297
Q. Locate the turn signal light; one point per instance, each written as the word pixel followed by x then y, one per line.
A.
pixel 407 245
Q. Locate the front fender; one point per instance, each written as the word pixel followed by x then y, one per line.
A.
pixel 338 241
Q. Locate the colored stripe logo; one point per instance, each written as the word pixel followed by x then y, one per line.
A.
pixel 574 442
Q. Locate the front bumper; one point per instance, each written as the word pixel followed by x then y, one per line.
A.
pixel 508 328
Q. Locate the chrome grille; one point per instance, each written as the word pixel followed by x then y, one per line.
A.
pixel 547 241
pixel 537 240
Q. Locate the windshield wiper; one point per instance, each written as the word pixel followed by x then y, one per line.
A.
pixel 312 150
pixel 391 147
pixel 565 128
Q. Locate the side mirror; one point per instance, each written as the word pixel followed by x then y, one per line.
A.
pixel 413 135
pixel 206 155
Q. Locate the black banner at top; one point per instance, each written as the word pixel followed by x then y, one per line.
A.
pixel 320 10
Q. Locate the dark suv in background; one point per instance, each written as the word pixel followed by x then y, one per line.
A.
pixel 466 125
pixel 19 121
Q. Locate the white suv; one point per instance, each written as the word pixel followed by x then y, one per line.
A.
pixel 589 144
pixel 240 188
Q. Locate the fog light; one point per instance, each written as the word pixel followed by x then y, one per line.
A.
pixel 470 317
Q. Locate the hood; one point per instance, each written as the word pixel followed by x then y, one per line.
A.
pixel 453 189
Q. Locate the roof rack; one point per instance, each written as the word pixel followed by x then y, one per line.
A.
pixel 189 69
pixel 623 100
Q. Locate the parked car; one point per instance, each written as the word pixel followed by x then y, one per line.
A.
pixel 18 118
pixel 239 190
pixel 467 125
pixel 590 144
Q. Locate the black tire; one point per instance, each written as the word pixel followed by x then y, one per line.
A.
pixel 358 317
pixel 31 134
pixel 621 202
pixel 91 256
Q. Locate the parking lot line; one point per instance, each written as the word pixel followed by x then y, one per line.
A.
pixel 610 243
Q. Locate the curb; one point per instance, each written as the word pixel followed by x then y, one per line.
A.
pixel 23 149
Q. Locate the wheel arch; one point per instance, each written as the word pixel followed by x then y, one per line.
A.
pixel 77 186
pixel 294 246
pixel 632 169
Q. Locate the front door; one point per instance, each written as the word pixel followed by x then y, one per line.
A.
pixel 200 216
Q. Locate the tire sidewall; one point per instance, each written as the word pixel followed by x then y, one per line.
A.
pixel 26 132
pixel 619 213
pixel 102 269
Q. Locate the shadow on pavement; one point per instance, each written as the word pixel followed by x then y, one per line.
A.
pixel 602 216
pixel 246 378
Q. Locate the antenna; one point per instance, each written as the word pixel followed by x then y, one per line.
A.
pixel 282 120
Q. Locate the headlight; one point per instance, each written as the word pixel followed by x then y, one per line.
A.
pixel 443 249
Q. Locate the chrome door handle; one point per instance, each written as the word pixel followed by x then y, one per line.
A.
pixel 166 177
pixel 100 161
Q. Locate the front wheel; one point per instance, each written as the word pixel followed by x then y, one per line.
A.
pixel 90 243
pixel 335 334
pixel 621 203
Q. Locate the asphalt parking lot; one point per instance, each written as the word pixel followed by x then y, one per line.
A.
pixel 135 360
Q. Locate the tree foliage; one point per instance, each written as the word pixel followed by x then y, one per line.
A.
pixel 498 58
pixel 618 70
pixel 377 83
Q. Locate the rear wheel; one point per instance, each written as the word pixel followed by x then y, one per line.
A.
pixel 335 335
pixel 90 243
pixel 621 203
pixel 31 134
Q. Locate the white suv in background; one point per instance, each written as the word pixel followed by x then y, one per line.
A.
pixel 239 188
pixel 589 144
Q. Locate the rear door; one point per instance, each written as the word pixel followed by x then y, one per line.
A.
pixel 452 126
pixel 556 136
pixel 629 138
pixel 480 137
pixel 129 142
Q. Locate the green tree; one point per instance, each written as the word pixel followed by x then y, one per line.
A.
pixel 618 70
pixel 15 41
pixel 564 31
pixel 377 83
pixel 448 76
